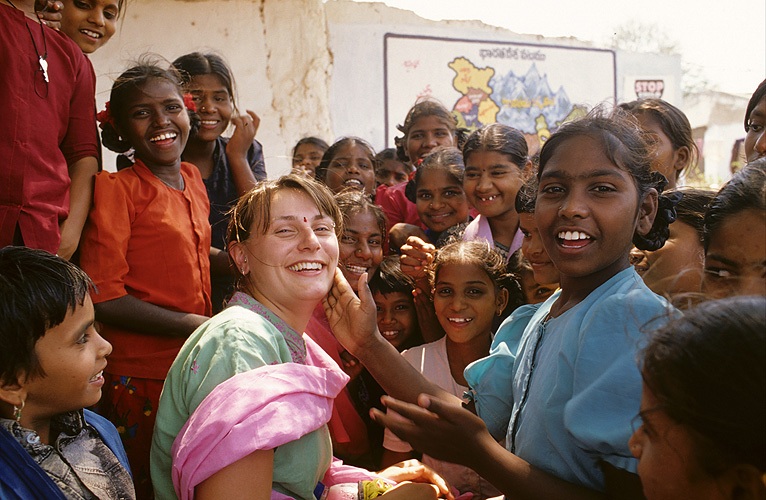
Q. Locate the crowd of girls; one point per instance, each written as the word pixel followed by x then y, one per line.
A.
pixel 571 324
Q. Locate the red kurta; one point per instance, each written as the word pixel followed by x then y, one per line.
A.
pixel 40 136
pixel 151 241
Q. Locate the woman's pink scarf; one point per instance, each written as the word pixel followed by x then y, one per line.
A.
pixel 247 413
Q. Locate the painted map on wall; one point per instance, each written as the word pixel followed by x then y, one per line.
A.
pixel 534 88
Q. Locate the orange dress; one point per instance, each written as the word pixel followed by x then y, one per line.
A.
pixel 151 241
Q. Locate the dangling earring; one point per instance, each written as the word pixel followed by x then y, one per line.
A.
pixel 17 411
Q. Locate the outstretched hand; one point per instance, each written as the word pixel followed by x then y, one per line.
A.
pixel 353 319
pixel 440 429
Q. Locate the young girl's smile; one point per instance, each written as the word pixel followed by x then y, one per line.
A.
pixel 440 201
pixel 588 209
pixel 397 320
pixel 351 168
pixel 491 182
pixel 307 158
pixel 90 23
pixel 361 247
pixel 157 124
pixel 214 106
pixel 426 134
pixel 466 301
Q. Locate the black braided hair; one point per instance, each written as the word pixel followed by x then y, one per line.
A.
pixel 666 215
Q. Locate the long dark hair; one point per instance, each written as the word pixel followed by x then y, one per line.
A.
pixel 707 370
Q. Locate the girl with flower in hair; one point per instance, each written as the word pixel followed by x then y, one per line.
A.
pixel 147 247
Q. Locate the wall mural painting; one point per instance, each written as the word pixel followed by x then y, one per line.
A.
pixel 534 88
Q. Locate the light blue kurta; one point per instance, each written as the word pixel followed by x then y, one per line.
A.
pixel 564 391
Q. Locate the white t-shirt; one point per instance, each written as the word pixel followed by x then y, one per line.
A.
pixel 431 360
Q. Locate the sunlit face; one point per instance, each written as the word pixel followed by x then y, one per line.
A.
pixel 73 356
pixel 755 140
pixel 295 260
pixel 466 301
pixel 735 262
pixel 667 462
pixel 156 123
pixel 361 247
pixel 392 172
pixel 668 160
pixel 543 270
pixel 440 200
pixel 214 106
pixel 90 23
pixel 677 266
pixel 397 320
pixel 426 134
pixel 351 168
pixel 587 211
pixel 491 182
pixel 307 158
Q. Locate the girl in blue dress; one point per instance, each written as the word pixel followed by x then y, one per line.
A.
pixel 561 383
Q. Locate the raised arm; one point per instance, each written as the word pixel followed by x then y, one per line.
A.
pixel 353 322
pixel 245 127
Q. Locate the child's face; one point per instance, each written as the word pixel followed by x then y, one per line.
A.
pixel 735 262
pixel 668 160
pixel 156 123
pixel 667 464
pixel 351 168
pixel 466 301
pixel 392 172
pixel 534 251
pixel 588 210
pixel 535 292
pixel 214 106
pixel 755 140
pixel 677 266
pixel 440 200
pixel 397 319
pixel 90 23
pixel 361 247
pixel 307 158
pixel 426 134
pixel 73 357
pixel 491 182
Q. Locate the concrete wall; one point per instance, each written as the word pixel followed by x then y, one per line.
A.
pixel 721 117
